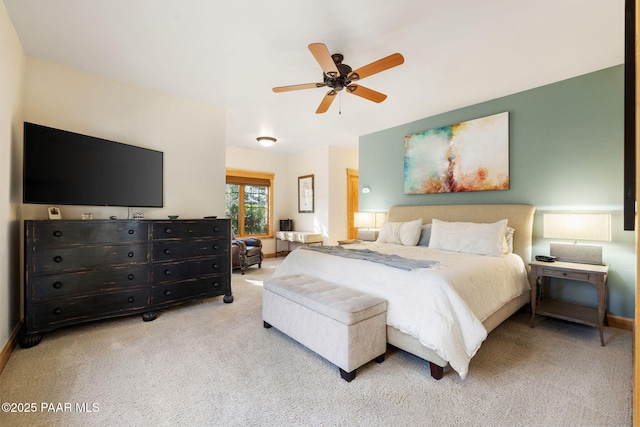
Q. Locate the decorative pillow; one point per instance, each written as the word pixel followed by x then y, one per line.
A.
pixel 400 233
pixel 469 237
pixel 508 237
pixel 425 235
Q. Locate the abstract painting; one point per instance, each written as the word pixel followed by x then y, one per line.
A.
pixel 467 156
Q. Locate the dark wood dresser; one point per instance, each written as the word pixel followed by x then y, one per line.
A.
pixel 84 270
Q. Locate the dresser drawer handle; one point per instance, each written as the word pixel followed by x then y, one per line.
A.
pixel 131 299
pixel 216 229
pixel 167 292
pixel 57 258
pixel 167 251
pixel 216 284
pixel 57 311
pixel 57 233
pixel 132 231
pixel 216 266
pixel 57 285
pixel 216 247
pixel 130 254
pixel 131 276
pixel 167 230
pixel 167 272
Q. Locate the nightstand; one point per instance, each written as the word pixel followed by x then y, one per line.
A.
pixel 596 275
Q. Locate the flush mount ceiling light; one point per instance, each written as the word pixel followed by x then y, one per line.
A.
pixel 266 141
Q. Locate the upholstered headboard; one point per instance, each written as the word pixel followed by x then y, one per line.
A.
pixel 519 217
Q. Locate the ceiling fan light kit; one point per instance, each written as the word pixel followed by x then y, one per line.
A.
pixel 266 141
pixel 339 76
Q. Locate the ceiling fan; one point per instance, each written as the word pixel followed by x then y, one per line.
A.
pixel 338 76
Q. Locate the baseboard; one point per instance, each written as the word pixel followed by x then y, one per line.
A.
pixel 620 322
pixel 11 344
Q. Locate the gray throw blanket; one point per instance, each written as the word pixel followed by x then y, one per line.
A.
pixel 395 261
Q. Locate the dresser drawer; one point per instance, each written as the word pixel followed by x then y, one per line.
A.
pixel 171 250
pixel 63 233
pixel 209 286
pixel 190 229
pixel 87 257
pixel 176 271
pixel 74 310
pixel 86 282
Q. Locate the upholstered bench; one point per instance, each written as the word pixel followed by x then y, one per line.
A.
pixel 345 326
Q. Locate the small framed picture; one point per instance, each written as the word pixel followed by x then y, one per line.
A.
pixel 54 212
pixel 305 194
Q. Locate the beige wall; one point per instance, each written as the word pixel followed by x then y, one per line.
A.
pixel 340 159
pixel 12 65
pixel 190 133
pixel 264 161
pixel 327 164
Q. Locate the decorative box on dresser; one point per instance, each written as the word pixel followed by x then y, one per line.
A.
pixel 84 270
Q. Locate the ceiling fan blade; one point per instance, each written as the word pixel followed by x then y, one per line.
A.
pixel 366 93
pixel 326 102
pixel 298 87
pixel 322 55
pixel 377 66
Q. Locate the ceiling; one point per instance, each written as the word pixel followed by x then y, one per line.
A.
pixel 231 54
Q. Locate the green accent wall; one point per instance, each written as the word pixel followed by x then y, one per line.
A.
pixel 565 154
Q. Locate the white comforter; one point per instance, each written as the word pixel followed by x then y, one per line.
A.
pixel 442 307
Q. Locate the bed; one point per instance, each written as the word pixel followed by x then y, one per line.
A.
pixel 443 312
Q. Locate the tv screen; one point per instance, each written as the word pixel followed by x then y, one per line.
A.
pixel 66 168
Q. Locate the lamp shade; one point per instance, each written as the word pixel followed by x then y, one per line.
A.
pixel 364 219
pixel 381 217
pixel 369 219
pixel 577 226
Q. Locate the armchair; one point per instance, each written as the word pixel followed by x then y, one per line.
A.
pixel 246 252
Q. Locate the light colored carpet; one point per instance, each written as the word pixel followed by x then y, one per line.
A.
pixel 210 363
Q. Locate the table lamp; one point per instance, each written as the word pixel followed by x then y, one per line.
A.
pixel 587 226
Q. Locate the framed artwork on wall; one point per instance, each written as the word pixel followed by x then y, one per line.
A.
pixel 467 156
pixel 305 194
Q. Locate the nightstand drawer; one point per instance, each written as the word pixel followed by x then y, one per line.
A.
pixel 573 275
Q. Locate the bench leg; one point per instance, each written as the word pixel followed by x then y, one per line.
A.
pixel 266 325
pixel 380 358
pixel 347 376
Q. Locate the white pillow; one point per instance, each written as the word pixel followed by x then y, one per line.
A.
pixel 401 233
pixel 508 238
pixel 469 237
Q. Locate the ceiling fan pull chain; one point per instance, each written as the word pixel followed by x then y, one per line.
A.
pixel 340 102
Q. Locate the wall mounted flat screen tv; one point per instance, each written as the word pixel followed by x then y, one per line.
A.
pixel 66 168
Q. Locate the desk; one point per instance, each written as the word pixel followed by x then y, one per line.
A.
pixel 596 275
pixel 302 237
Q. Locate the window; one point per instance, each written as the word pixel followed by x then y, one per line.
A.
pixel 249 202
